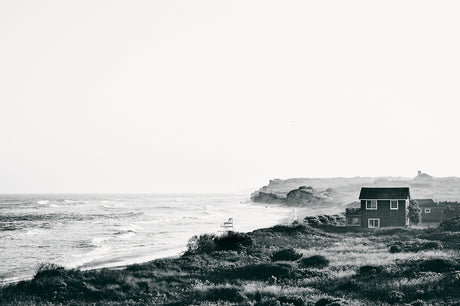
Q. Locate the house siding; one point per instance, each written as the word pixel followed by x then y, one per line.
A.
pixel 387 216
pixel 436 215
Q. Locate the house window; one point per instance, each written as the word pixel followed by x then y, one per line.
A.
pixel 394 205
pixel 373 223
pixel 427 210
pixel 354 221
pixel 371 204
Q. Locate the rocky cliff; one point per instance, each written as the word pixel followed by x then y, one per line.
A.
pixel 302 196
pixel 340 191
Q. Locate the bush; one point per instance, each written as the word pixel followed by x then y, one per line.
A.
pixel 415 215
pixel 300 228
pixel 370 269
pixel 231 294
pixel 316 261
pixel 286 254
pixel 312 221
pixel 395 297
pixel 330 302
pixel 262 271
pixel 436 265
pixel 452 225
pixel 291 300
pixel 49 270
pixel 348 286
pixel 201 244
pixel 395 249
pixel 233 241
pixel 431 245
pixel 208 243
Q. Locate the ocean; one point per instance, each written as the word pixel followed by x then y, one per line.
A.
pixel 107 230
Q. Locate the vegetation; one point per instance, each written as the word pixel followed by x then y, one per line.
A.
pixel 210 242
pixel 395 249
pixel 452 225
pixel 286 254
pixel 282 265
pixel 415 213
pixel 316 261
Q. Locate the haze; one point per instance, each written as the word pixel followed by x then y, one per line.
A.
pixel 220 96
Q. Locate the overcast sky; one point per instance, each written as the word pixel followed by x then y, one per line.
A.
pixel 221 96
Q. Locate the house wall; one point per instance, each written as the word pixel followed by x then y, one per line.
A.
pixel 436 215
pixel 388 218
pixel 351 220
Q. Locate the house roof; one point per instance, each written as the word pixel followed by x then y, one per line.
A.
pixel 426 202
pixel 387 193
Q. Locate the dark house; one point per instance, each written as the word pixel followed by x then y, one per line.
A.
pixel 430 210
pixel 381 207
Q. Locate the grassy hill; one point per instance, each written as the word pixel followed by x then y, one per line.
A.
pixel 281 265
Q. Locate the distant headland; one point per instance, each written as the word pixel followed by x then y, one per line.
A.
pixel 341 191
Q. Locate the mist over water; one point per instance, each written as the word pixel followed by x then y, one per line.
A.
pixel 89 231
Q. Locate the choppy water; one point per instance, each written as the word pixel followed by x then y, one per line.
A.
pixel 89 231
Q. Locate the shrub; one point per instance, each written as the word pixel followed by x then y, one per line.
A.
pixel 208 243
pixel 415 215
pixel 316 261
pixel 231 294
pixel 201 244
pixel 291 300
pixel 436 265
pixel 395 249
pixel 431 245
pixel 262 271
pixel 312 221
pixel 452 225
pixel 395 297
pixel 49 270
pixel 330 302
pixel 348 286
pixel 233 241
pixel 368 269
pixel 325 220
pixel 286 254
pixel 300 228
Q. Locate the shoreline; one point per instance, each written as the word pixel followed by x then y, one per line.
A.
pixel 298 264
pixel 143 259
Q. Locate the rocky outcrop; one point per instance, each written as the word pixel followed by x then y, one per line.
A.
pixel 269 198
pixel 302 196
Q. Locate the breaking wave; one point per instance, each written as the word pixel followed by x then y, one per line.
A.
pixel 106 230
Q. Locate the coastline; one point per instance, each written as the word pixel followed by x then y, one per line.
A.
pixel 300 264
pixel 122 262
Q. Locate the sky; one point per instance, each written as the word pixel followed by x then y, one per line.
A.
pixel 221 96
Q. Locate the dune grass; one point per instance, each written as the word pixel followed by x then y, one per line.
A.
pixel 282 265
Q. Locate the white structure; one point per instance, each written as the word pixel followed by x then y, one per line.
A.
pixel 421 187
pixel 227 226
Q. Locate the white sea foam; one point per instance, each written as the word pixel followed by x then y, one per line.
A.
pixel 133 229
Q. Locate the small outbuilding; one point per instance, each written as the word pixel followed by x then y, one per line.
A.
pixel 430 210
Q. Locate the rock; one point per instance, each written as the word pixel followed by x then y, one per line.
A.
pixel 269 198
pixel 303 196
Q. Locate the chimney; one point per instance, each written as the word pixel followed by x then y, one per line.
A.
pixel 419 172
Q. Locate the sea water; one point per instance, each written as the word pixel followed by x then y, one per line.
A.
pixel 93 231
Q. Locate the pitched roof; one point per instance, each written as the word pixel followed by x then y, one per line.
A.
pixel 386 193
pixel 426 202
